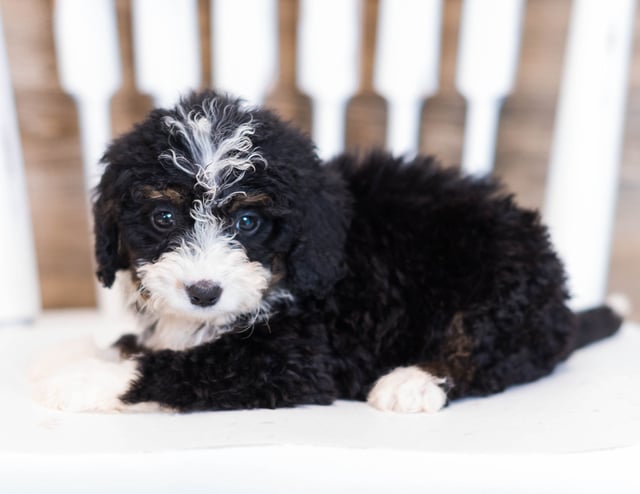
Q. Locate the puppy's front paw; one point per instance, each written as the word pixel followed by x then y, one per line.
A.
pixel 408 390
pixel 85 385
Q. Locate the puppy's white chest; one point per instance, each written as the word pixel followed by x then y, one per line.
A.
pixel 171 333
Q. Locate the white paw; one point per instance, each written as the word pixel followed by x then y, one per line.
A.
pixel 86 385
pixel 408 390
pixel 74 378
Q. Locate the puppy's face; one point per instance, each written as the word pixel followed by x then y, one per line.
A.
pixel 203 257
pixel 219 213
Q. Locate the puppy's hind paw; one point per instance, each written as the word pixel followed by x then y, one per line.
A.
pixel 408 390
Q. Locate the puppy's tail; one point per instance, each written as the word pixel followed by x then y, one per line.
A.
pixel 600 322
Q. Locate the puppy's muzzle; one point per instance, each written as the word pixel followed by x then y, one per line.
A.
pixel 204 293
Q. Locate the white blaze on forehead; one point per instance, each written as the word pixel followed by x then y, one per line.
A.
pixel 219 148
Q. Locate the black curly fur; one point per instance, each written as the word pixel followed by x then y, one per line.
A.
pixel 391 264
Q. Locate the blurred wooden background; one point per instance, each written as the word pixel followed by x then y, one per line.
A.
pixel 49 128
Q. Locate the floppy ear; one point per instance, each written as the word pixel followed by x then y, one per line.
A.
pixel 316 261
pixel 107 238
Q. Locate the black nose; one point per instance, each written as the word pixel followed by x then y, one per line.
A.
pixel 204 293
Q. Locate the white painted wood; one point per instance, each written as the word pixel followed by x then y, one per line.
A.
pixel 19 291
pixel 480 133
pixel 166 44
pixel 582 418
pixel 407 66
pixel 89 67
pixel 486 66
pixel 585 155
pixel 86 40
pixel 244 39
pixel 328 54
pixel 292 469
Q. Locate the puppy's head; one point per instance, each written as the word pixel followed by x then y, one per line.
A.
pixel 217 210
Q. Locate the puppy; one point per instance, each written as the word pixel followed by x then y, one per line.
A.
pixel 262 277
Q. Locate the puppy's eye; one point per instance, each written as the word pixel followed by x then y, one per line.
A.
pixel 248 223
pixel 163 220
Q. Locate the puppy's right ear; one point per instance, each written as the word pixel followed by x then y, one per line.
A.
pixel 109 259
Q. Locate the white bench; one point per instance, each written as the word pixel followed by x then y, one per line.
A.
pixel 575 431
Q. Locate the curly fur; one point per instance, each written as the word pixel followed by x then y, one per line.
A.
pixel 372 264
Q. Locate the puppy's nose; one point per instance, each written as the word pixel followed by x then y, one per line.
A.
pixel 204 293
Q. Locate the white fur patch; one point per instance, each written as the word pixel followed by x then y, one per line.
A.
pixel 177 333
pixel 206 254
pixel 74 378
pixel 217 156
pixel 408 390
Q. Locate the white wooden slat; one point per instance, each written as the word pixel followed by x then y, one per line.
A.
pixel 407 65
pixel 244 39
pixel 585 156
pixel 88 63
pixel 19 293
pixel 329 34
pixel 166 48
pixel 87 52
pixel 487 59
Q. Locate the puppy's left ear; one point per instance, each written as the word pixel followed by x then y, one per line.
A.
pixel 107 239
pixel 316 261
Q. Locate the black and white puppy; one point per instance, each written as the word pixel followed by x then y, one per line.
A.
pixel 264 278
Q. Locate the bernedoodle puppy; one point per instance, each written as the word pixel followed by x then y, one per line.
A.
pixel 262 277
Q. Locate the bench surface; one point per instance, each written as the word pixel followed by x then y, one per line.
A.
pixel 578 427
